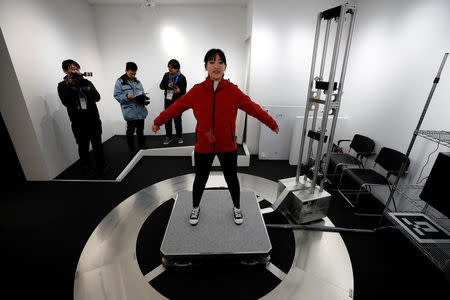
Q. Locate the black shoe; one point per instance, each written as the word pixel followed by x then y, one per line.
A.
pixel 195 213
pixel 237 215
pixel 87 172
pixel 167 140
pixel 103 171
pixel 143 147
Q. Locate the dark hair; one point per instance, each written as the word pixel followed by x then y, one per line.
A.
pixel 68 62
pixel 131 66
pixel 211 55
pixel 174 64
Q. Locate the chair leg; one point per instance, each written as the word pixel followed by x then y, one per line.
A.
pixel 357 196
pixel 393 199
pixel 364 187
pixel 340 179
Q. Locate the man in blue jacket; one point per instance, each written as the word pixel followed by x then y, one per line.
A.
pixel 129 92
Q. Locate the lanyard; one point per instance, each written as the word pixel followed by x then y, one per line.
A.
pixel 176 79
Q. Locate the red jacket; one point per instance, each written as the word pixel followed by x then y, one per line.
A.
pixel 216 114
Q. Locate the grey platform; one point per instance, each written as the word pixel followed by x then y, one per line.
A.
pixel 216 237
pixel 107 268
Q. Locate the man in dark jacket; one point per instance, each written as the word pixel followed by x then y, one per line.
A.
pixel 174 86
pixel 79 96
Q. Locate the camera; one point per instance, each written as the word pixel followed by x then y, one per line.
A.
pixel 78 79
pixel 142 99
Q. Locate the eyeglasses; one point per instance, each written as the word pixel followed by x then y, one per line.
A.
pixel 74 68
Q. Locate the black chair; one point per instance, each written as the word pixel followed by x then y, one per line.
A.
pixel 362 145
pixel 363 179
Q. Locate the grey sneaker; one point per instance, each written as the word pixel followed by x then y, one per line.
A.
pixel 237 214
pixel 180 141
pixel 193 219
pixel 167 140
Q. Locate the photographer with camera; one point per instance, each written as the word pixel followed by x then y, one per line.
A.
pixel 79 96
pixel 174 85
pixel 129 92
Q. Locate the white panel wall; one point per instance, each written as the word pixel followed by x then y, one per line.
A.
pixel 15 113
pixel 39 35
pixel 152 36
pixel 397 49
pixel 282 44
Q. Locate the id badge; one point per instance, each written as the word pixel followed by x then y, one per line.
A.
pixel 169 95
pixel 83 103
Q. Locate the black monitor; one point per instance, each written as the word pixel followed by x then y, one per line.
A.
pixel 436 191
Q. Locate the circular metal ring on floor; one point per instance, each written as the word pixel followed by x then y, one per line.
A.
pixel 108 268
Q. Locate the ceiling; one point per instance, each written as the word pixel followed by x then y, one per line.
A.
pixel 171 2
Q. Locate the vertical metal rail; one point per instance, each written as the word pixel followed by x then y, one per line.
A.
pixel 338 96
pixel 318 93
pixel 329 95
pixel 413 139
pixel 332 101
pixel 307 108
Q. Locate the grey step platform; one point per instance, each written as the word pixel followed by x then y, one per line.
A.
pixel 216 238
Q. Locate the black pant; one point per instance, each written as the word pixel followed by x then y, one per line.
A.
pixel 89 132
pixel 177 120
pixel 138 126
pixel 203 163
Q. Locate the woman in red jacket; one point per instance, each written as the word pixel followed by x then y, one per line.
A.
pixel 215 102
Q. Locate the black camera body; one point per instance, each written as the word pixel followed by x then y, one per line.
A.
pixel 142 99
pixel 78 79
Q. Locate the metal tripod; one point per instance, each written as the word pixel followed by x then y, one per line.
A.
pixel 300 197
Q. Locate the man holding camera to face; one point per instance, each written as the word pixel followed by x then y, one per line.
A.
pixel 79 96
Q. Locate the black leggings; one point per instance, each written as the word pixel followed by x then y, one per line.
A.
pixel 203 163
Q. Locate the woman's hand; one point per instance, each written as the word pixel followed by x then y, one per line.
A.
pixel 176 91
pixel 155 128
pixel 129 96
pixel 276 130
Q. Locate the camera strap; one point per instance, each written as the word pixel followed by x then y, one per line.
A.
pixel 83 100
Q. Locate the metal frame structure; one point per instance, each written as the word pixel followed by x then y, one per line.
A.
pixel 438 253
pixel 415 134
pixel 295 192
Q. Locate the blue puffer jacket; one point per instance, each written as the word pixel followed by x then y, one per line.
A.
pixel 131 110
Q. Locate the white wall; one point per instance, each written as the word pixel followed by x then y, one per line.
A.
pixel 15 113
pixel 397 49
pixel 282 44
pixel 152 36
pixel 39 35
